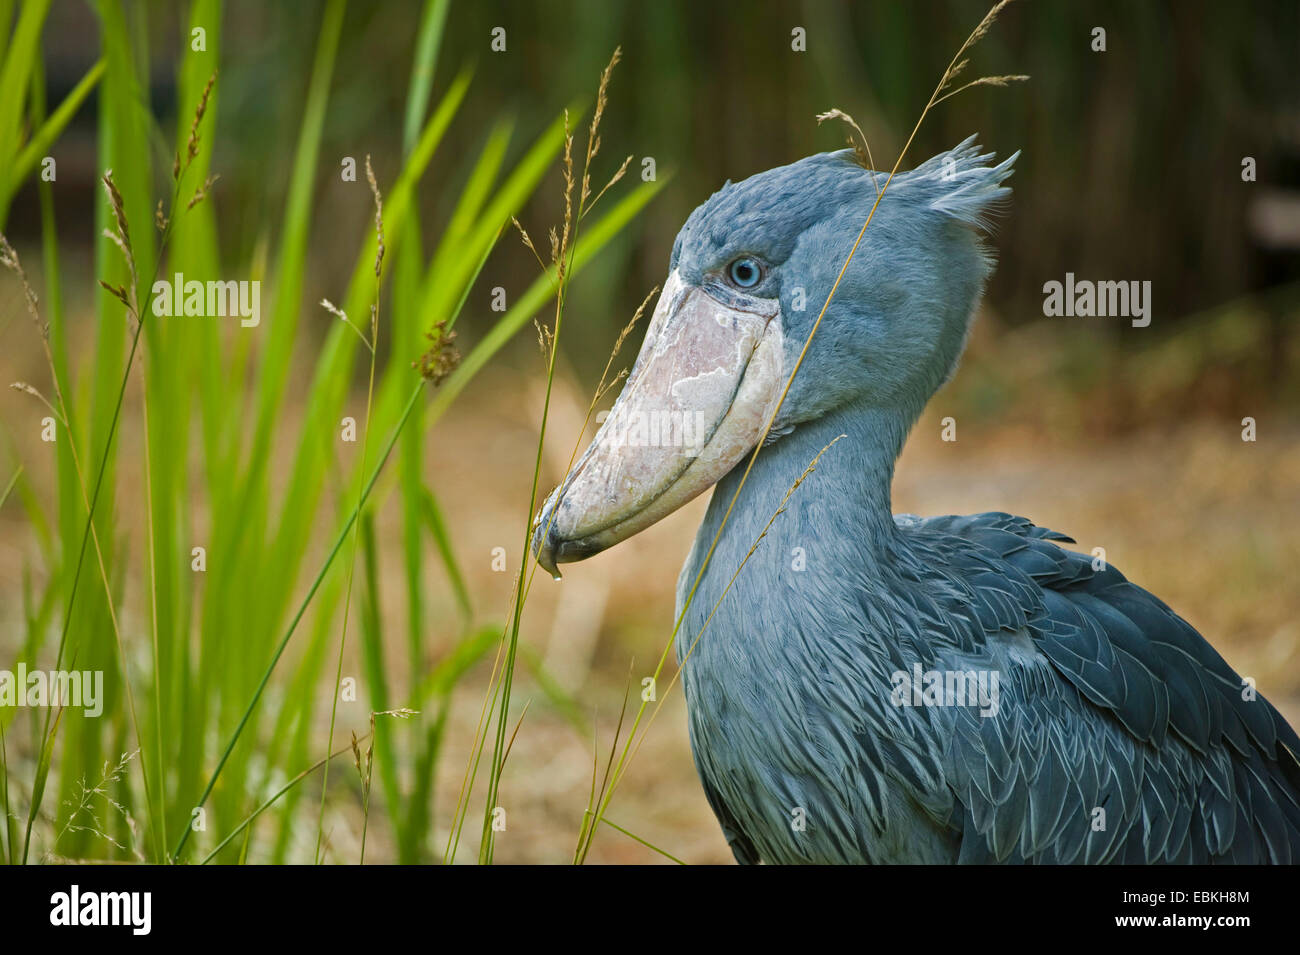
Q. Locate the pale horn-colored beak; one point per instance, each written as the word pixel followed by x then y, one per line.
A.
pixel 708 378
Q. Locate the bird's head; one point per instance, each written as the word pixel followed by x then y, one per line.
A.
pixel 750 271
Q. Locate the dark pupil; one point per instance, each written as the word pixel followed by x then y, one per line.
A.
pixel 744 271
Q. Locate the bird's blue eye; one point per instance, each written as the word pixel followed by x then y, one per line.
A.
pixel 745 272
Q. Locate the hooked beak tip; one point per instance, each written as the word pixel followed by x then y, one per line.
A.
pixel 546 543
pixel 551 547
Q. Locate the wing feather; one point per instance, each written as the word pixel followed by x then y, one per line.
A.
pixel 1126 709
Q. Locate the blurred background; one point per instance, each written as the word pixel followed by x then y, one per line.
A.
pixel 1126 438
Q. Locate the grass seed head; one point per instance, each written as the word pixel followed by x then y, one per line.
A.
pixel 442 357
pixel 379 217
pixel 192 146
pixel 116 203
pixel 861 149
pixel 200 194
pixel 9 260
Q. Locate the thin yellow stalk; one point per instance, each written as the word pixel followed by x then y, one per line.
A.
pixel 476 753
pixel 605 779
pixel 649 845
pixel 252 817
pixel 563 250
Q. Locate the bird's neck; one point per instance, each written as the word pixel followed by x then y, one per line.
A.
pixel 839 515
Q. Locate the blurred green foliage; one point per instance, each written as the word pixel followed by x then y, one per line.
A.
pixel 1131 158
pixel 187 589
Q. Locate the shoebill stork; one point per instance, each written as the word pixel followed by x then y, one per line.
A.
pixel 825 691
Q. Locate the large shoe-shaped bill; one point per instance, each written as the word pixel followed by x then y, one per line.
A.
pixel 709 376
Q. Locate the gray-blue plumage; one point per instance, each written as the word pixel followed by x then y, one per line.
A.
pixel 1120 734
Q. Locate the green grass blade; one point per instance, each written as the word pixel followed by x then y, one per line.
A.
pixel 50 130
pixel 123 135
pixel 596 237
pixel 20 59
pixel 372 658
pixel 291 266
pixel 328 392
pixel 444 284
pixel 423 68
pixel 8 842
pixel 4 496
pixel 6 19
pixel 302 609
pixel 252 817
pixel 556 695
pixel 433 519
